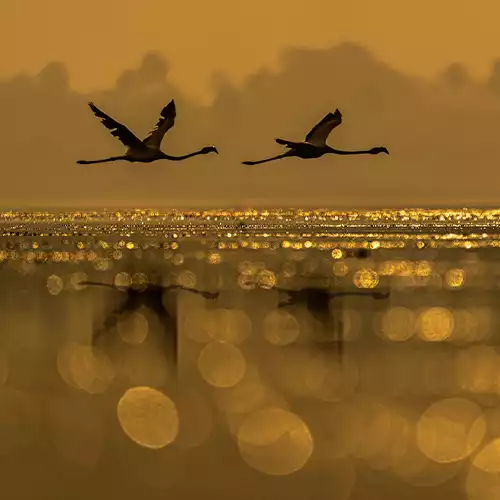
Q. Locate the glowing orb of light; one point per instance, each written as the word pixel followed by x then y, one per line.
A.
pixel 450 430
pixel 366 278
pixel 148 417
pixel 483 477
pixel 134 328
pixel 455 278
pixel 275 441
pixel 399 324
pixel 281 328
pixel 436 324
pixel 222 364
pixel 54 285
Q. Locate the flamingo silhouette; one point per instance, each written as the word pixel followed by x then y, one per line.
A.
pixel 148 150
pixel 317 302
pixel 315 144
pixel 150 296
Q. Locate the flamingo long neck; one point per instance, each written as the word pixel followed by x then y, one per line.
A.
pixel 341 152
pixel 183 157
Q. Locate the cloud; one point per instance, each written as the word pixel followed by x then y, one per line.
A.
pixel 442 136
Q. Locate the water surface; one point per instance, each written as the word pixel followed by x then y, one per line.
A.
pixel 244 395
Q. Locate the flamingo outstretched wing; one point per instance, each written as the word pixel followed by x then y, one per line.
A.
pixel 206 295
pixel 320 132
pixel 96 283
pixel 151 287
pixel 164 124
pixel 121 132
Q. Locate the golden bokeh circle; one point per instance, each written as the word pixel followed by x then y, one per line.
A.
pixel 55 285
pixel 281 328
pixel 436 324
pixel 123 280
pixel 423 268
pixel 76 280
pixel 222 364
pixel 102 264
pixel 365 278
pixel 450 430
pixel 455 278
pixel 187 279
pixel 399 324
pixel 214 258
pixel 337 253
pixel 148 417
pixel 140 280
pixel 275 441
pixel 483 477
pixel 134 328
pixel 84 368
pixel 266 279
pixel 229 325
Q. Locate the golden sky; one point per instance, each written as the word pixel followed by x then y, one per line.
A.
pixel 442 132
pixel 98 39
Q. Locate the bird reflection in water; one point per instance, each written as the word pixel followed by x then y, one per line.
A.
pixel 318 300
pixel 150 296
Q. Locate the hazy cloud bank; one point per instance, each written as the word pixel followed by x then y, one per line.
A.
pixel 443 136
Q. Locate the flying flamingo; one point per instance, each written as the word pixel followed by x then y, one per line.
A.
pixel 315 144
pixel 148 150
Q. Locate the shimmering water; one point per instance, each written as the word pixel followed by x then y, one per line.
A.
pixel 259 391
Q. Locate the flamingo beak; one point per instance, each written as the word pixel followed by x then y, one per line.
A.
pixel 216 150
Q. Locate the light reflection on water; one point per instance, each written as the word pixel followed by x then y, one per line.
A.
pixel 249 393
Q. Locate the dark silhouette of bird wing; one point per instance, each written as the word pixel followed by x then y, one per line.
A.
pixel 288 144
pixel 97 283
pixel 286 290
pixel 320 132
pixel 368 293
pixel 112 319
pixel 304 292
pixel 164 124
pixel 131 304
pixel 206 295
pixel 294 296
pixel 156 288
pixel 117 130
